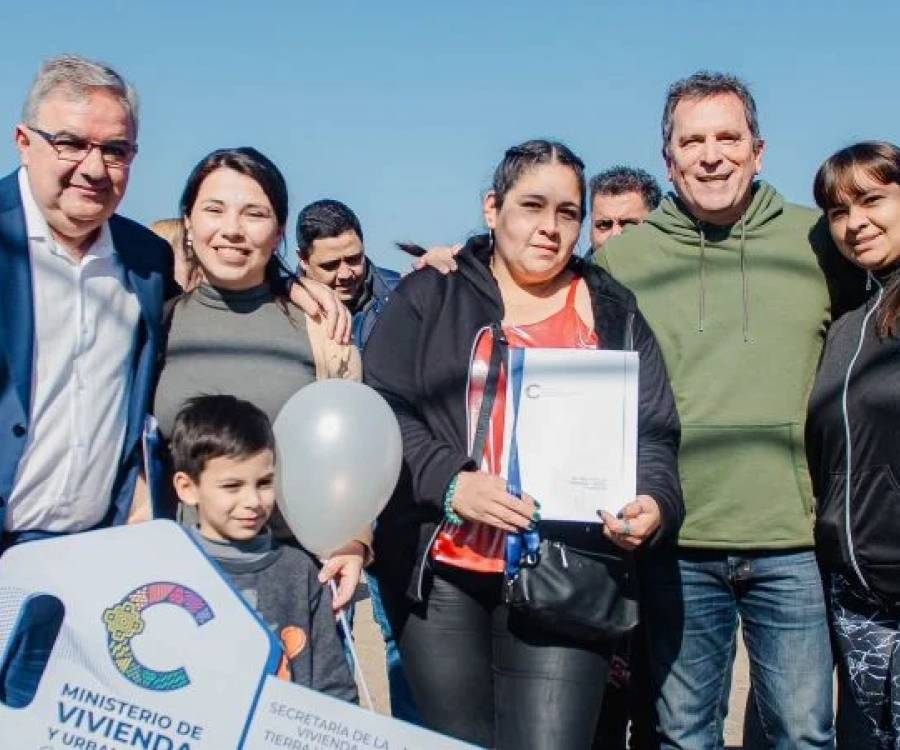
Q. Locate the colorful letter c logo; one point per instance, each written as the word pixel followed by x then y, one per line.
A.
pixel 124 622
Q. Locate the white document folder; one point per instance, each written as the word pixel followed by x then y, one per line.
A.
pixel 576 429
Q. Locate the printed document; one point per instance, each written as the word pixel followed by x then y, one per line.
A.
pixel 576 429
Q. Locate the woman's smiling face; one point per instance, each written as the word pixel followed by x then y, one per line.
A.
pixel 866 225
pixel 233 230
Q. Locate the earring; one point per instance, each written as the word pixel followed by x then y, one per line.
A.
pixel 490 239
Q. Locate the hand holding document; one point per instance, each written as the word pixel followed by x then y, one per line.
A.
pixel 576 429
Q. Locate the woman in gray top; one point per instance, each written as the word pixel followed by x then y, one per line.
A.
pixel 237 333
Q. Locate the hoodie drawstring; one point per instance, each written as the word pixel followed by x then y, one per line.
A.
pixel 745 283
pixel 701 313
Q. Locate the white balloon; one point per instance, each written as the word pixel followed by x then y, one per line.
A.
pixel 339 454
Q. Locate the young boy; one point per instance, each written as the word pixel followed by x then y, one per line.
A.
pixel 223 452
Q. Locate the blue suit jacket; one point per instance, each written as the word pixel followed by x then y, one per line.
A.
pixel 148 272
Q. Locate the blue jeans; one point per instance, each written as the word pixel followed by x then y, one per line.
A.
pixel 403 706
pixel 692 601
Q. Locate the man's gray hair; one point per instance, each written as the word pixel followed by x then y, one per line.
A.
pixel 77 76
pixel 703 85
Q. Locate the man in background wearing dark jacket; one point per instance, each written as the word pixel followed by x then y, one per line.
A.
pixel 621 197
pixel 330 244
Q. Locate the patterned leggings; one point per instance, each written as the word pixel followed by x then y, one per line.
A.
pixel 868 641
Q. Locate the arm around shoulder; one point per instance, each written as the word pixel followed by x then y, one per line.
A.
pixel 333 359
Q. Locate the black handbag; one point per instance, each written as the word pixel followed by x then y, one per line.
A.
pixel 586 595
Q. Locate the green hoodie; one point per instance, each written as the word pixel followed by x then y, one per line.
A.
pixel 740 313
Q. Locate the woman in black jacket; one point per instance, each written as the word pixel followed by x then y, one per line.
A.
pixel 853 436
pixel 478 671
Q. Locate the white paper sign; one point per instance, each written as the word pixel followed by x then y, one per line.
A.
pixel 576 429
pixel 293 717
pixel 158 652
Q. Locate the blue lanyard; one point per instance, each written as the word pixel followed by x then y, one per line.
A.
pixel 522 547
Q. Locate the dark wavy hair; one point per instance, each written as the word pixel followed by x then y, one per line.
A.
pixel 519 159
pixel 620 179
pixel 251 163
pixel 322 220
pixel 516 162
pixel 836 180
pixel 209 427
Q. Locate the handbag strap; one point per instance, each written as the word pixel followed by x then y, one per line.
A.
pixel 499 346
pixel 522 548
pixel 529 540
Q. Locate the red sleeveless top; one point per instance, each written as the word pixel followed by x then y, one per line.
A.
pixel 476 546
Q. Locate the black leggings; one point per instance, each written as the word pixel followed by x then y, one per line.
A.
pixel 481 675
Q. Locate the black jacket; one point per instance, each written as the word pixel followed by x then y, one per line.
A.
pixel 873 409
pixel 418 358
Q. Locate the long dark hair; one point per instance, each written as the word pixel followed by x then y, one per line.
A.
pixel 250 162
pixel 519 159
pixel 836 179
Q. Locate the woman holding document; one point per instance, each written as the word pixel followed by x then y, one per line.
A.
pixel 480 670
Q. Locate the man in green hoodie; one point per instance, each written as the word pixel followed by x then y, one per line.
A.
pixel 733 281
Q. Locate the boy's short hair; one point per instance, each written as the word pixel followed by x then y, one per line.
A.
pixel 209 427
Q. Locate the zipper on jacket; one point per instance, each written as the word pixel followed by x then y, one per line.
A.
pixel 478 334
pixel 847 438
pixel 424 561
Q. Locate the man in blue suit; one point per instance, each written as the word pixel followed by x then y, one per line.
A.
pixel 331 250
pixel 81 296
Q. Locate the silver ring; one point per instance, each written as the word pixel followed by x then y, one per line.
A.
pixel 626 529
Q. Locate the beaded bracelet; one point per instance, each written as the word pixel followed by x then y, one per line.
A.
pixel 449 514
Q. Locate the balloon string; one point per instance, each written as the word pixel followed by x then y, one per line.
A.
pixel 348 637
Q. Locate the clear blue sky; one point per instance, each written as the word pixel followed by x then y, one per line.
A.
pixel 402 109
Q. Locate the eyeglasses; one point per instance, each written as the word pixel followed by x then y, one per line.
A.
pixel 74 149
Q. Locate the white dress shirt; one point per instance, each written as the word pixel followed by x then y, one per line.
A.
pixel 85 324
